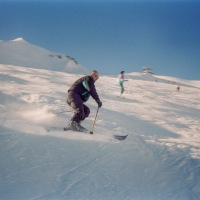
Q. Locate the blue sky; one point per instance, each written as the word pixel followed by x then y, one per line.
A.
pixel 111 36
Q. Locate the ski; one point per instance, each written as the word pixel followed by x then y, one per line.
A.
pixel 120 137
pixel 117 137
pixel 53 128
pixel 68 129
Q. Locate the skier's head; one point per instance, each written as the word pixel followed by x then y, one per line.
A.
pixel 122 72
pixel 95 74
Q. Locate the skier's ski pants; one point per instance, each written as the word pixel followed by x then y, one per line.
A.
pixel 81 111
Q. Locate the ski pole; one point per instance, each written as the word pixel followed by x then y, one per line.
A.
pixel 91 132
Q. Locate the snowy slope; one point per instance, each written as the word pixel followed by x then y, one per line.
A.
pixel 19 52
pixel 160 159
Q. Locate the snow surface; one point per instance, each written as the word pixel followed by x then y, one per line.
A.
pixel 160 159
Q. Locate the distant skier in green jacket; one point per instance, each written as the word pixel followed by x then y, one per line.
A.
pixel 121 81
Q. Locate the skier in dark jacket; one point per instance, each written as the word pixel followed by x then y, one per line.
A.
pixel 78 94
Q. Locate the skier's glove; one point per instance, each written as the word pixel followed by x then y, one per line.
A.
pixel 99 104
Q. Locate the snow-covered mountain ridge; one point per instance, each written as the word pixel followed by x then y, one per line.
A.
pixel 22 53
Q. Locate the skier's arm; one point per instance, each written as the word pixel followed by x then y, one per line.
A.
pixel 92 91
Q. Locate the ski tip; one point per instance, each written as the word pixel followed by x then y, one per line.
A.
pixel 120 137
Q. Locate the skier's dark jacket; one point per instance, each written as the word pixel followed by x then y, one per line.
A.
pixel 85 87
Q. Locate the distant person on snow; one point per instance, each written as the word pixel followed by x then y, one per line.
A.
pixel 78 94
pixel 121 80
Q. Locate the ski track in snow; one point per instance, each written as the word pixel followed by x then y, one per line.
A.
pixel 160 159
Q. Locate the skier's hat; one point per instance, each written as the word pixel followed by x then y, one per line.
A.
pixel 122 72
